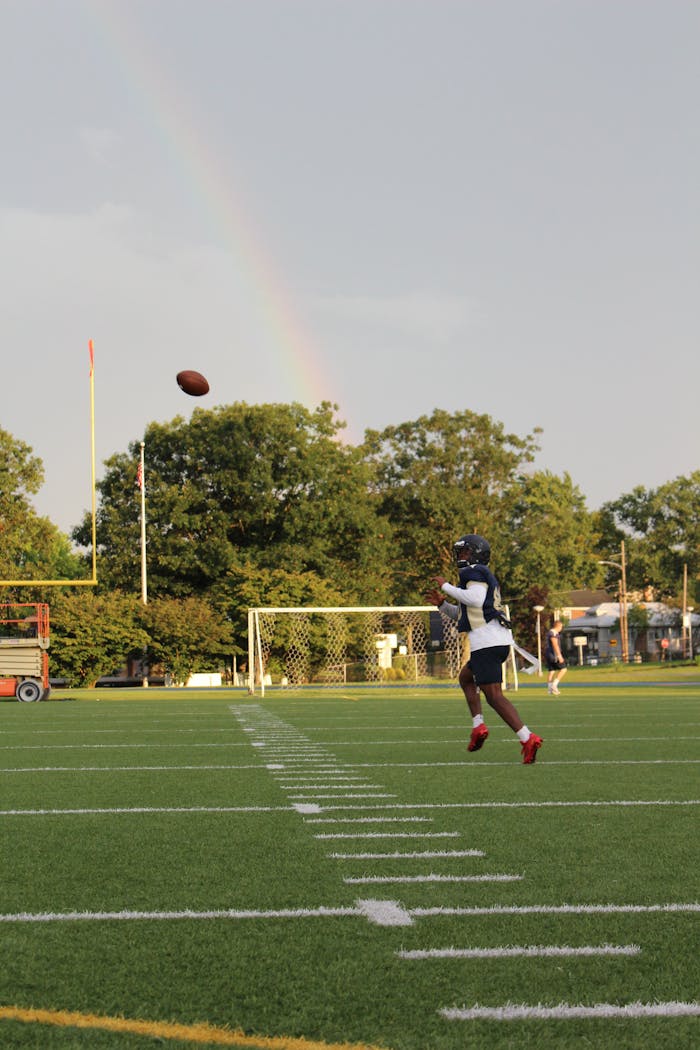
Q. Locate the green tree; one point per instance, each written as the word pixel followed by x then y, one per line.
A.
pixel 551 540
pixel 269 483
pixel 31 547
pixel 249 585
pixel 439 477
pixel 186 635
pixel 93 634
pixel 661 529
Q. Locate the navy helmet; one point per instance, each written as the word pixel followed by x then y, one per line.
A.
pixel 471 550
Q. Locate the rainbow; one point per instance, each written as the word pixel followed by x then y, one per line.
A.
pixel 193 157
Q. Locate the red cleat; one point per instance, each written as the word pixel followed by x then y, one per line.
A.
pixel 530 748
pixel 478 738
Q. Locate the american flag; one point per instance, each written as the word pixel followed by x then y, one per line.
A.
pixel 139 475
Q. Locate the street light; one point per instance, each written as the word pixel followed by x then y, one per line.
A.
pixel 621 565
pixel 539 609
pixel 690 630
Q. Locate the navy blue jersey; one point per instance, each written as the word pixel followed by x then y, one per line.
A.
pixel 549 647
pixel 472 616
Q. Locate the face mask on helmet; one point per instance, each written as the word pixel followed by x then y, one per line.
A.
pixel 471 550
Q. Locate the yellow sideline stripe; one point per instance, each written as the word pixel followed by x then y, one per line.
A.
pixel 197 1033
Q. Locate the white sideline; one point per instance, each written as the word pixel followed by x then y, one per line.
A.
pixel 520 951
pixel 566 1012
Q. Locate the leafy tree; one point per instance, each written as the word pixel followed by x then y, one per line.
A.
pixel 661 529
pixel 92 635
pixel 269 483
pixel 439 477
pixel 249 585
pixel 186 635
pixel 551 539
pixel 31 547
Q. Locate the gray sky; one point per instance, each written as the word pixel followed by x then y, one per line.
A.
pixel 395 205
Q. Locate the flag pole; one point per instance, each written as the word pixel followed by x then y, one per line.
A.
pixel 142 486
pixel 144 587
pixel 92 451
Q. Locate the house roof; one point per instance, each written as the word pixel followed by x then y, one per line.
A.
pixel 584 599
pixel 605 614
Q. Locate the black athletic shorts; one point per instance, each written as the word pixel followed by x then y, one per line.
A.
pixel 553 664
pixel 487 664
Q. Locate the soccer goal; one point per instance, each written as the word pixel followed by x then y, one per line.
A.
pixel 410 644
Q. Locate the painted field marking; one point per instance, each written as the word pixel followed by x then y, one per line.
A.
pixel 423 854
pixel 329 787
pixel 148 810
pixel 115 747
pixel 384 913
pixel 337 797
pixel 371 820
pixel 360 909
pixel 316 809
pixel 203 1033
pixel 120 769
pixel 387 879
pixel 566 1012
pixel 128 915
pixel 583 803
pixel 550 762
pixel 558 909
pixel 520 951
pixel 389 835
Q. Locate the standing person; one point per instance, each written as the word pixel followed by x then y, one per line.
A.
pixel 556 664
pixel 478 612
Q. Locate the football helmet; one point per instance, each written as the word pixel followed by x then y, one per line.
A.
pixel 471 550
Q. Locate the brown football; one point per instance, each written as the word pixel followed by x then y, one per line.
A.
pixel 192 383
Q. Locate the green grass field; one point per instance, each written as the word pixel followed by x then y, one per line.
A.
pixel 334 869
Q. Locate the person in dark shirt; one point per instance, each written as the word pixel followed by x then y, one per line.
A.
pixel 554 658
pixel 478 612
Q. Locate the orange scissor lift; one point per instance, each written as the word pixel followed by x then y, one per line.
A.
pixel 24 651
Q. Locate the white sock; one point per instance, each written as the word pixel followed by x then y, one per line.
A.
pixel 477 720
pixel 524 735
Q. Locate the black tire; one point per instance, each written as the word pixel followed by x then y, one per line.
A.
pixel 29 691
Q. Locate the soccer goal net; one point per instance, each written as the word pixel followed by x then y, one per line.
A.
pixel 335 646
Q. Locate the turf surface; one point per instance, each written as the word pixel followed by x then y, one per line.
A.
pixel 204 858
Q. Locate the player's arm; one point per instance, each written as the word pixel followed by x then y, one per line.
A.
pixel 556 647
pixel 473 594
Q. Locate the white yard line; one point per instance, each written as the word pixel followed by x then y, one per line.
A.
pixel 317 809
pixel 432 877
pixel 388 834
pixel 372 820
pixel 375 910
pixel 408 856
pixel 558 909
pixel 529 951
pixel 566 1012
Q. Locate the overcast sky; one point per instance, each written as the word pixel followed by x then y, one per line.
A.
pixel 394 205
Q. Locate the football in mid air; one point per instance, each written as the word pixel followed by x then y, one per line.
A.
pixel 193 383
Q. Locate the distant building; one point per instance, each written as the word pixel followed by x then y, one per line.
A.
pixel 577 603
pixel 660 637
